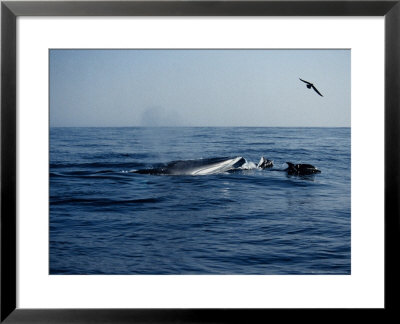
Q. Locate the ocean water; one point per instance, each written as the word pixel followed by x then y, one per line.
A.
pixel 105 219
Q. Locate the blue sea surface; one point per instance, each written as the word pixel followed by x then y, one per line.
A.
pixel 105 219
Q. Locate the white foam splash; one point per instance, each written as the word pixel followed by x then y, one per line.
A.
pixel 248 166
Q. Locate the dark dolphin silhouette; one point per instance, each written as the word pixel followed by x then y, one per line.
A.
pixel 310 85
pixel 301 169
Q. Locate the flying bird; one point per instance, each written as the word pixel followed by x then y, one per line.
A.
pixel 310 85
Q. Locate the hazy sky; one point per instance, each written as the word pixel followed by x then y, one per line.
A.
pixel 199 88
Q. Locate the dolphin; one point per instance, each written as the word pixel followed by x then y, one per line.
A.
pixel 301 169
pixel 265 163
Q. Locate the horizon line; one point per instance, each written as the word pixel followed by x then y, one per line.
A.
pixel 199 126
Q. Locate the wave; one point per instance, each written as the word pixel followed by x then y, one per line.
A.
pixel 103 201
pixel 105 165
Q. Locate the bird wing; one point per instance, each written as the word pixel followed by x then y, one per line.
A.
pixel 317 91
pixel 306 81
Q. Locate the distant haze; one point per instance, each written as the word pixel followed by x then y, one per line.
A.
pixel 199 88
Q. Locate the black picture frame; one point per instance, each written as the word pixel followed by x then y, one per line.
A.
pixel 10 10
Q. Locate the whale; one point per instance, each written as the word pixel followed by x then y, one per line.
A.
pixel 196 167
pixel 301 169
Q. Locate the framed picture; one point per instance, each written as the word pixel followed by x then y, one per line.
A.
pixel 195 161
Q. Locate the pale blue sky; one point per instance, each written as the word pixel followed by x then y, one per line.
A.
pixel 199 88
